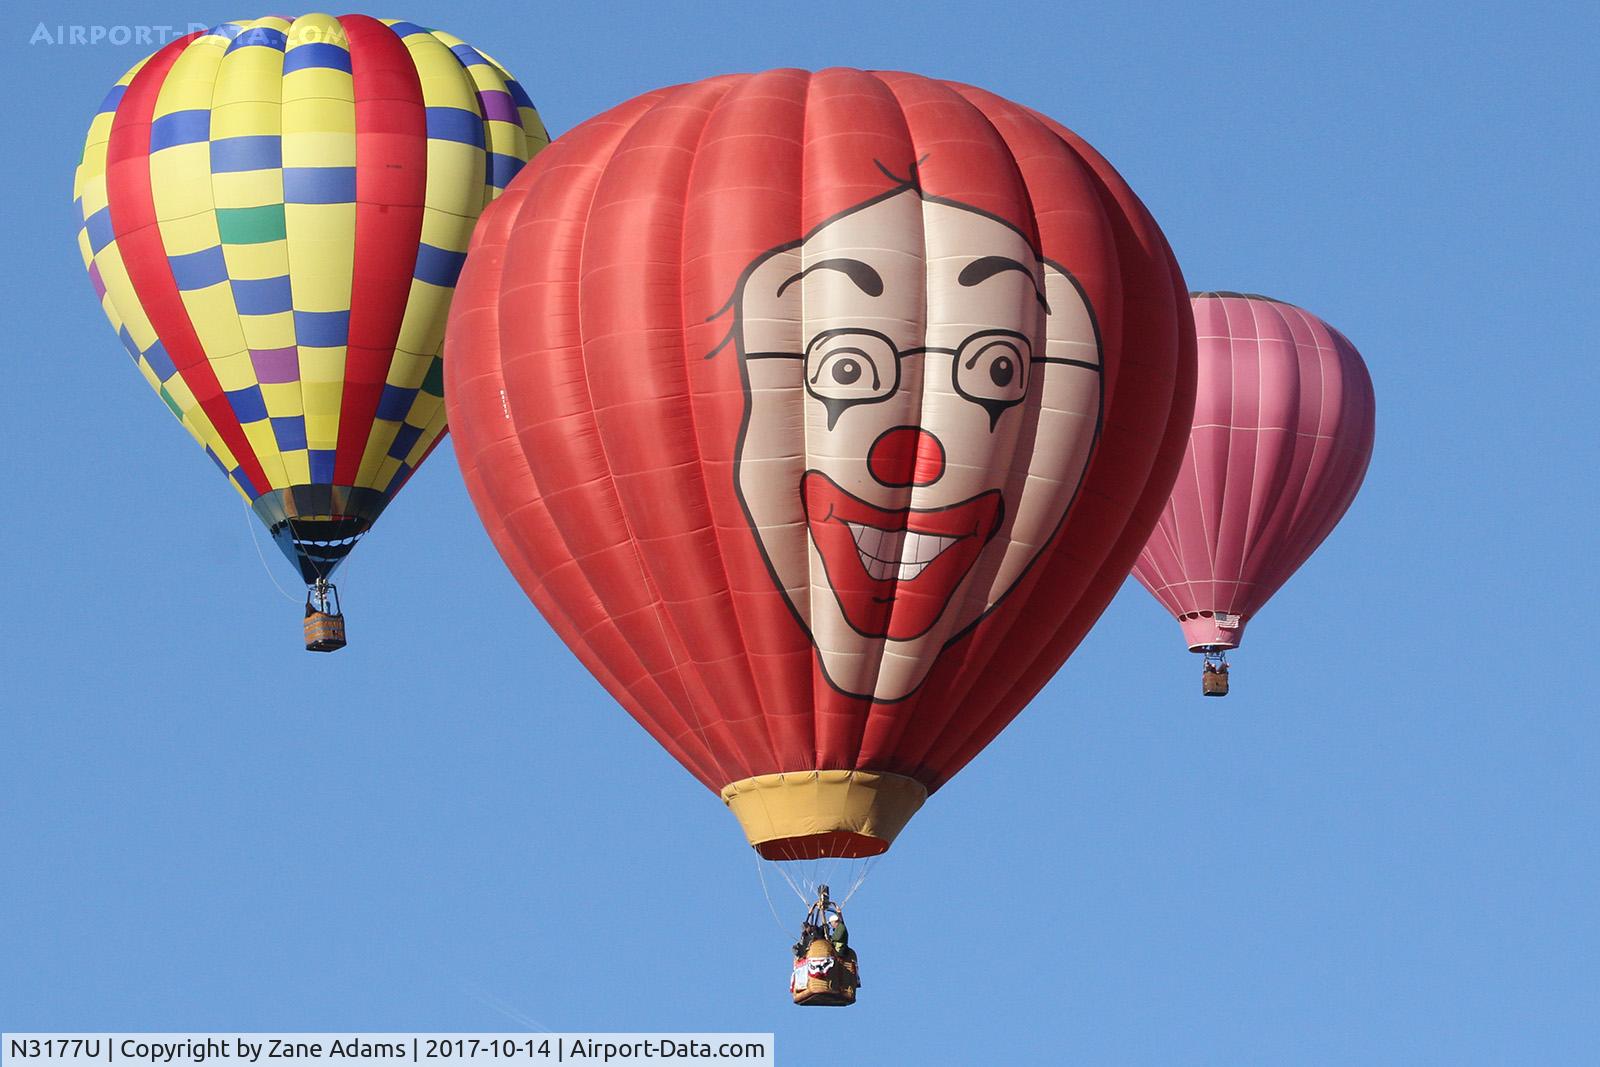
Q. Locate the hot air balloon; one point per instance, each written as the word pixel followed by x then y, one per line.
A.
pixel 1282 436
pixel 820 414
pixel 274 215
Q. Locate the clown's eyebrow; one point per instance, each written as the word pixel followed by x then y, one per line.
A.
pixel 867 280
pixel 981 270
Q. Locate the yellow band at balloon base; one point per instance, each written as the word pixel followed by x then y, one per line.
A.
pixel 813 814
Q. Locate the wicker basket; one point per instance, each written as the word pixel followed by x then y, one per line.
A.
pixel 324 632
pixel 1214 683
pixel 835 986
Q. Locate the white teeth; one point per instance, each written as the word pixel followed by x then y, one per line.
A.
pixel 924 548
pixel 901 554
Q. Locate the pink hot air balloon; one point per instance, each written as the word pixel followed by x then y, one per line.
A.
pixel 1282 436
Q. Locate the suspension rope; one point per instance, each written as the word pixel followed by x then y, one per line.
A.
pixel 248 521
pixel 763 876
pixel 797 890
pixel 833 868
pixel 866 868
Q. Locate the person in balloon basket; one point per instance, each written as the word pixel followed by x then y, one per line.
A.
pixel 809 932
pixel 834 930
pixel 839 937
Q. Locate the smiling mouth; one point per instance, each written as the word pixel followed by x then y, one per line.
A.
pixel 899 554
pixel 894 571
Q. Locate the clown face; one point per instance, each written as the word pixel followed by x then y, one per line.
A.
pixel 922 397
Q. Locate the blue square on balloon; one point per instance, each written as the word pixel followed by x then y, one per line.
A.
pixel 321 460
pixel 290 432
pixel 455 124
pixel 262 36
pixel 310 54
pixel 160 362
pixel 262 296
pixel 248 404
pixel 99 227
pixel 199 270
pixel 398 480
pixel 321 329
pixel 404 438
pixel 128 342
pixel 438 266
pixel 502 168
pixel 112 99
pixel 319 185
pixel 256 152
pixel 180 128
pixel 395 402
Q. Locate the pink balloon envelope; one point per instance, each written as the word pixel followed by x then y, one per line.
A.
pixel 1282 435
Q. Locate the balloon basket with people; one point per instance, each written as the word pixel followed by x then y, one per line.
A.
pixel 826 973
pixel 1214 674
pixel 324 625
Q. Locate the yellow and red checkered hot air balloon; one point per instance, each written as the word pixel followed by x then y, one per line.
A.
pixel 274 214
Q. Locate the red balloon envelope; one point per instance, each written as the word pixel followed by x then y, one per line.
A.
pixel 1282 435
pixel 821 415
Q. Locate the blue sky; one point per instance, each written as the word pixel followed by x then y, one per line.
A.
pixel 1380 849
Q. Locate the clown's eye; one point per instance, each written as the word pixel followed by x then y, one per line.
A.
pixel 1002 370
pixel 992 369
pixel 851 366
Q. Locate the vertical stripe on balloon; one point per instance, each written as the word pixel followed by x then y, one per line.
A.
pixel 133 217
pixel 247 181
pixel 391 180
pixel 318 134
pixel 181 180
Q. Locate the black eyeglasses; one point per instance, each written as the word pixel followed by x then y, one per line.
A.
pixel 845 367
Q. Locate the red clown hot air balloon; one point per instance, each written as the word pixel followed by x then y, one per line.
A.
pixel 821 415
pixel 1282 435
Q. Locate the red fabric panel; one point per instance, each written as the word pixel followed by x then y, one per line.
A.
pixel 559 429
pixel 391 183
pixel 1147 332
pixel 607 614
pixel 133 221
pixel 526 538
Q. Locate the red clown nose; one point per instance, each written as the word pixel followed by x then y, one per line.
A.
pixel 905 456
